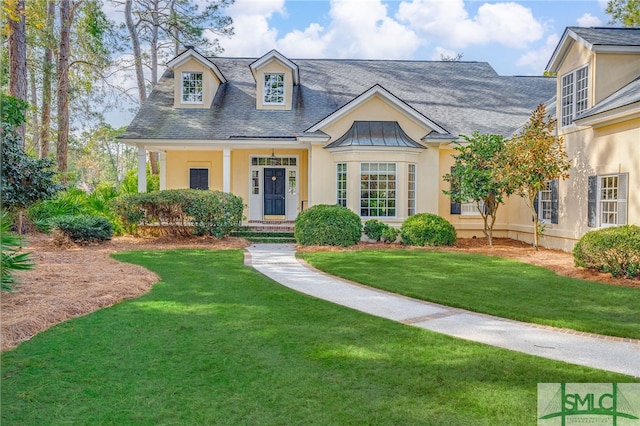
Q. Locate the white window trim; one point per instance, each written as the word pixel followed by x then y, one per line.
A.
pixel 182 101
pixel 346 180
pixel 547 189
pixel 415 188
pixel 600 200
pixel 264 87
pixel 395 191
pixel 574 96
pixel 470 208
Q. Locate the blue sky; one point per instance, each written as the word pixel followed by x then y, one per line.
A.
pixel 515 37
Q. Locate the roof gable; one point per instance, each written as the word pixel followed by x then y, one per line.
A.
pixel 274 55
pixel 192 53
pixel 597 40
pixel 387 97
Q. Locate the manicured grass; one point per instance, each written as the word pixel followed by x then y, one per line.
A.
pixel 492 285
pixel 216 343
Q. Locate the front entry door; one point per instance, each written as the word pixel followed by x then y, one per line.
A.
pixel 274 193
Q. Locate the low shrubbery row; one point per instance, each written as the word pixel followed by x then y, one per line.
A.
pixel 334 225
pixel 182 212
pixel 81 229
pixel 614 250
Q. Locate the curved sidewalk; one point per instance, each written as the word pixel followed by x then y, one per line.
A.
pixel 278 262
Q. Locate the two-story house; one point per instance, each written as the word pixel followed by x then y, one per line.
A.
pixel 374 136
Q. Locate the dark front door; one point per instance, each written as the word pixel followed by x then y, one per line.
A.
pixel 274 192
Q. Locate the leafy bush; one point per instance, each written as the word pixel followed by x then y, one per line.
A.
pixel 328 225
pixel 614 250
pixel 376 230
pixel 373 229
pixel 82 229
pixel 12 258
pixel 76 202
pixel 390 234
pixel 181 212
pixel 426 229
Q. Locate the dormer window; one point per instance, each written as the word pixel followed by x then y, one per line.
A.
pixel 274 89
pixel 575 94
pixel 192 87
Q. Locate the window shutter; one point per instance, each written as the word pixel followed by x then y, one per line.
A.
pixel 592 205
pixel 456 208
pixel 554 200
pixel 623 191
pixel 536 206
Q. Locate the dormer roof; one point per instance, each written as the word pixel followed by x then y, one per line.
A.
pixel 190 52
pixel 277 56
pixel 596 39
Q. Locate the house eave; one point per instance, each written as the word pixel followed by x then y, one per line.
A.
pixel 616 115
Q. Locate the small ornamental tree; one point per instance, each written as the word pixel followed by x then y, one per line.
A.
pixel 25 179
pixel 475 177
pixel 532 158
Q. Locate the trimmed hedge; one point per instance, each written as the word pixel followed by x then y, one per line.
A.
pixel 427 229
pixel 328 225
pixel 83 229
pixel 614 250
pixel 182 212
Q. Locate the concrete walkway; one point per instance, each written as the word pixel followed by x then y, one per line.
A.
pixel 278 262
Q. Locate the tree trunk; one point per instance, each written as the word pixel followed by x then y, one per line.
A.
pixel 137 55
pixel 18 58
pixel 535 221
pixel 35 123
pixel 63 88
pixel 47 68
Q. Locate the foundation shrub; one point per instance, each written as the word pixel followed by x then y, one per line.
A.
pixel 181 212
pixel 379 231
pixel 427 229
pixel 614 250
pixel 390 234
pixel 82 229
pixel 328 225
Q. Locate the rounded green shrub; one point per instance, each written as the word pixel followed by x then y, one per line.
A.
pixel 614 250
pixel 83 229
pixel 390 234
pixel 427 229
pixel 373 229
pixel 328 225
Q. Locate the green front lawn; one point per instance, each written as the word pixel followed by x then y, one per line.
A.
pixel 217 343
pixel 491 285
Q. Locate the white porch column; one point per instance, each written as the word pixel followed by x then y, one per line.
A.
pixel 142 169
pixel 226 170
pixel 162 158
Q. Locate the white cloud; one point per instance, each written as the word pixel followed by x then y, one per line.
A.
pixel 304 44
pixel 588 20
pixel 253 35
pixel 536 60
pixel 448 22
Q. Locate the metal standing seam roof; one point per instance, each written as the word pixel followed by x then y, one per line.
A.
pixel 375 133
pixel 462 97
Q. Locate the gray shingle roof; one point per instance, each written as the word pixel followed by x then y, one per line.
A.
pixel 602 36
pixel 462 97
pixel 627 95
pixel 375 133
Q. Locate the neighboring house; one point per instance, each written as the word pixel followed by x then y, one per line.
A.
pixel 374 136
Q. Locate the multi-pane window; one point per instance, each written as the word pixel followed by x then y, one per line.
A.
pixel 544 203
pixel 575 94
pixel 378 189
pixel 341 179
pixel 411 192
pixel 255 182
pixel 274 161
pixel 192 87
pixel 274 88
pixel 292 182
pixel 470 208
pixel 198 178
pixel 609 200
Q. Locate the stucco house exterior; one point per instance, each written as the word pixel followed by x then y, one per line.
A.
pixel 377 136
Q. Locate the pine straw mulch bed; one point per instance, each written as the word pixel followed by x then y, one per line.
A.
pixel 71 281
